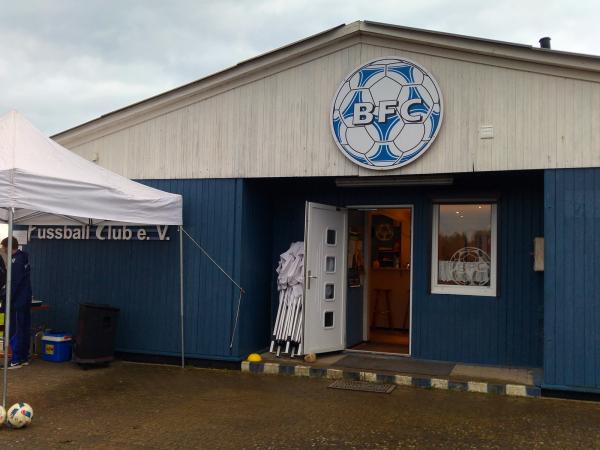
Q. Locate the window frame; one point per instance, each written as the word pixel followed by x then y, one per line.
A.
pixel 481 291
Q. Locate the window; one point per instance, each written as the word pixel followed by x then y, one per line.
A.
pixel 329 292
pixel 328 319
pixel 463 257
pixel 331 237
pixel 330 264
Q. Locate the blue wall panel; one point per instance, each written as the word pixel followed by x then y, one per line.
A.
pixel 355 294
pixel 505 330
pixel 245 225
pixel 256 242
pixel 572 285
pixel 142 278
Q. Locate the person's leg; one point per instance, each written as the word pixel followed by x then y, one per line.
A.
pixel 26 338
pixel 20 339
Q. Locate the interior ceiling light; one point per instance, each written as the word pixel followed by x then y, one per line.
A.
pixel 393 181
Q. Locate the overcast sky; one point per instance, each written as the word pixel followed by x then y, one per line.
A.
pixel 63 62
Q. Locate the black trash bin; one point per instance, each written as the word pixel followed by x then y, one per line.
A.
pixel 96 334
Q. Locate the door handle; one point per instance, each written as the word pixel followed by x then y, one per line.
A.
pixel 308 277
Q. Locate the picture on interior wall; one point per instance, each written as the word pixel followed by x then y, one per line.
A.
pixel 385 242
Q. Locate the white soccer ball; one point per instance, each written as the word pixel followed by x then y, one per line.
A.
pixel 20 415
pixel 386 113
pixel 2 415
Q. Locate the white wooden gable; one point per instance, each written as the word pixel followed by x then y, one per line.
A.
pixel 269 116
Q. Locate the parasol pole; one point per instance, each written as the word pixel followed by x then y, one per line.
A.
pixel 7 306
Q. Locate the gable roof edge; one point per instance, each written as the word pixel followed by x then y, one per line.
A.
pixel 281 55
pixel 229 74
pixel 483 46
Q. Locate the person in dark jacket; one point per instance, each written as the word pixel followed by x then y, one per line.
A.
pixel 20 308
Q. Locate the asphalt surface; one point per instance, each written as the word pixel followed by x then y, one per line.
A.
pixel 144 406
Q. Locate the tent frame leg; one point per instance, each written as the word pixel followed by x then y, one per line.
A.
pixel 6 337
pixel 181 317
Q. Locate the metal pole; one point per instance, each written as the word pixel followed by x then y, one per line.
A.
pixel 181 294
pixel 7 306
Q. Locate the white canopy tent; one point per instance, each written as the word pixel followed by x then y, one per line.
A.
pixel 42 183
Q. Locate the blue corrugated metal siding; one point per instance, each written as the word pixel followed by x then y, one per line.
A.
pixel 354 299
pixel 245 225
pixel 142 278
pixel 506 330
pixel 572 285
pixel 253 328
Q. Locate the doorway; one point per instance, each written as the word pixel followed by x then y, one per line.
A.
pixel 385 268
pixel 358 278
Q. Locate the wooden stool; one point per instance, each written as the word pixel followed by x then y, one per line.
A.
pixel 380 309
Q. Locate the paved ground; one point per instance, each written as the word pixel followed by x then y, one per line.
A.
pixel 143 406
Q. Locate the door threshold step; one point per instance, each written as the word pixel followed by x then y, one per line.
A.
pixel 271 368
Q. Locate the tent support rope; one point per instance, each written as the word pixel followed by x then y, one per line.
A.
pixel 242 291
pixel 237 316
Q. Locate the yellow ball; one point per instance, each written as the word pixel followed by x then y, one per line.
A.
pixel 310 358
pixel 254 357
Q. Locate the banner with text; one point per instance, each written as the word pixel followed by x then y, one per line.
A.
pixel 99 233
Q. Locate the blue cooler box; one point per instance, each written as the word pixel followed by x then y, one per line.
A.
pixel 56 347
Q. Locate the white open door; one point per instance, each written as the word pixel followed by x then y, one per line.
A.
pixel 325 278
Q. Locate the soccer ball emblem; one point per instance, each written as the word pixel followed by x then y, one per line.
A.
pixel 20 415
pixel 471 266
pixel 386 113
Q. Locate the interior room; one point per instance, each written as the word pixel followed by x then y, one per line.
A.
pixel 387 268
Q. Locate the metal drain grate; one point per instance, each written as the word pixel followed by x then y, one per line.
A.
pixel 364 386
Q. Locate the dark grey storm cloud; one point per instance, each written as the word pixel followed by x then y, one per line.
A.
pixel 65 62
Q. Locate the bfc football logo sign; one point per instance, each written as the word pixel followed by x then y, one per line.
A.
pixel 386 113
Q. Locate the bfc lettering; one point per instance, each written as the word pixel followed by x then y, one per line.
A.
pixel 364 111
